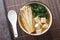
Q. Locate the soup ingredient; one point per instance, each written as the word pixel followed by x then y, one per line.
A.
pixel 48 20
pixel 45 25
pixel 37 19
pixel 43 29
pixel 33 22
pixel 37 26
pixel 43 20
pixel 26 15
pixel 39 10
pixel 38 31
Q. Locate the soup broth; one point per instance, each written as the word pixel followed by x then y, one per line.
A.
pixel 34 18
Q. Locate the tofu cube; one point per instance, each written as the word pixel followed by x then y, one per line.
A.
pixel 37 26
pixel 37 19
pixel 43 20
pixel 38 31
pixel 46 25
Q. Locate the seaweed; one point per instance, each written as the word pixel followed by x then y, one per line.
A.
pixel 39 10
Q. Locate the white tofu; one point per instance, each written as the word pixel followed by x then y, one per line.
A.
pixel 37 19
pixel 37 26
pixel 43 20
pixel 38 31
pixel 46 25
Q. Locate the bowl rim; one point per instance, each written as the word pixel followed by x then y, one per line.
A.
pixel 47 10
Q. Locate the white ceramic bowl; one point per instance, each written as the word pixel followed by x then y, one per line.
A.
pixel 49 23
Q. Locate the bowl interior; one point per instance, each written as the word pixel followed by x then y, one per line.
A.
pixel 49 23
